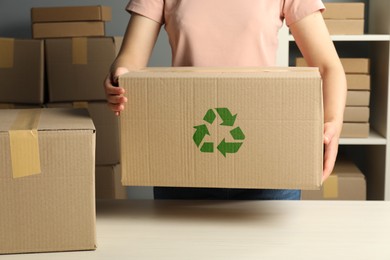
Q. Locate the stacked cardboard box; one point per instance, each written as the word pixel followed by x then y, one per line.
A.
pixel 108 184
pixel 76 64
pixel 357 110
pixel 344 18
pixel 71 21
pixel 47 166
pixel 76 67
pixel 346 182
pixel 21 71
pixel 87 62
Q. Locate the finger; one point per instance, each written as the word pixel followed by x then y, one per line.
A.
pixel 111 83
pixel 116 107
pixel 330 156
pixel 329 133
pixel 116 99
pixel 111 90
pixel 115 75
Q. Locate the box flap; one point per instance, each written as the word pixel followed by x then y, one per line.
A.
pixel 71 13
pixel 51 119
pixel 216 72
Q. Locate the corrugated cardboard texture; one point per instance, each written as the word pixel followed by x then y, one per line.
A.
pixel 108 183
pixel 355 130
pixel 356 114
pixel 278 110
pixel 350 65
pixel 107 130
pixel 343 11
pixel 55 210
pixel 21 71
pixel 71 13
pixel 345 27
pixel 67 29
pixel 347 182
pixel 78 82
pixel 358 98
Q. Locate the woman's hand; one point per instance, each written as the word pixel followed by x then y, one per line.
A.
pixel 115 94
pixel 314 42
pixel 331 143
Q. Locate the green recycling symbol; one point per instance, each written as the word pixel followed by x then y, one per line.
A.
pixel 227 121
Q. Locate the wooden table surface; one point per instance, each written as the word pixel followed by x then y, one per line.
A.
pixel 143 229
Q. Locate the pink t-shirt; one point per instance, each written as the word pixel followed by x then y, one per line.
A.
pixel 224 32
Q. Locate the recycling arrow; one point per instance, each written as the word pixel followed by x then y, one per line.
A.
pixel 225 147
pixel 207 147
pixel 200 133
pixel 228 120
pixel 237 134
pixel 227 117
pixel 210 116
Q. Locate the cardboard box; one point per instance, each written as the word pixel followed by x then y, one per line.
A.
pixel 67 29
pixel 70 14
pixel 356 114
pixel 347 182
pixel 358 98
pixel 345 27
pixel 222 127
pixel 355 130
pixel 47 191
pixel 107 129
pixel 350 65
pixel 358 81
pixel 21 71
pixel 356 65
pixel 343 11
pixel 108 183
pixel 76 67
pixel 18 106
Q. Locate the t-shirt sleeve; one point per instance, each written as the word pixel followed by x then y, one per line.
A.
pixel 153 9
pixel 295 10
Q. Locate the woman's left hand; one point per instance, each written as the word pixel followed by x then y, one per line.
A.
pixel 331 143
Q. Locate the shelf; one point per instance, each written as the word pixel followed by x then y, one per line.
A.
pixel 373 139
pixel 352 38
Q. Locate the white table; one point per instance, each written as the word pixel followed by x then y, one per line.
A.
pixel 237 230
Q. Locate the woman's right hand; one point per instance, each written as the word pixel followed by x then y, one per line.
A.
pixel 115 94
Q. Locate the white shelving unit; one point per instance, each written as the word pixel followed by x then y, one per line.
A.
pixel 371 154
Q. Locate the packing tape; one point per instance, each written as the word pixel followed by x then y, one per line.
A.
pixel 331 187
pixel 80 104
pixel 24 145
pixel 6 53
pixel 79 51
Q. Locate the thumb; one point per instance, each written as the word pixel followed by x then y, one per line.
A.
pixel 329 133
pixel 116 73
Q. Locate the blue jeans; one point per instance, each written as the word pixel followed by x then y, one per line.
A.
pixel 174 193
